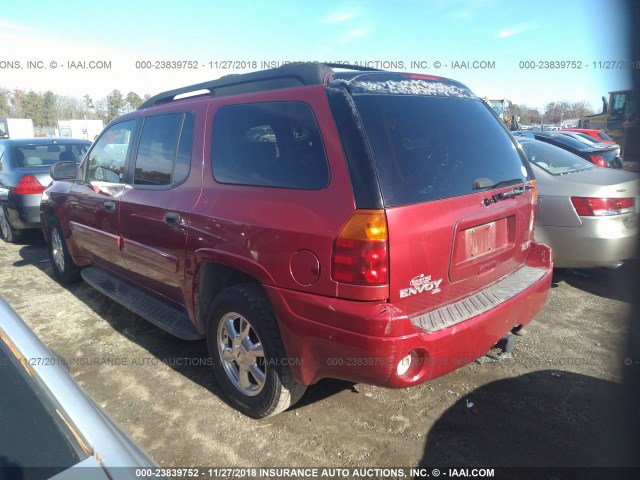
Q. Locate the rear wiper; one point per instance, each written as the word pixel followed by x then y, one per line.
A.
pixel 487 183
pixel 511 193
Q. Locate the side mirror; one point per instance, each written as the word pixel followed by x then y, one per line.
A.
pixel 64 171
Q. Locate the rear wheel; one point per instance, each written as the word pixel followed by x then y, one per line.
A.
pixel 7 232
pixel 63 267
pixel 248 356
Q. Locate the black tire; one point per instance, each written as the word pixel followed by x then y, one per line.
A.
pixel 278 390
pixel 64 269
pixel 7 232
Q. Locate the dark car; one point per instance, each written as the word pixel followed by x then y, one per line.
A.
pixel 24 174
pixel 49 427
pixel 309 223
pixel 598 154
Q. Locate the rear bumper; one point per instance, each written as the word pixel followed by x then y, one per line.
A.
pixel 599 242
pixel 23 211
pixel 365 341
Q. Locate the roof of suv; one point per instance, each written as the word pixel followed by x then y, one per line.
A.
pixel 361 79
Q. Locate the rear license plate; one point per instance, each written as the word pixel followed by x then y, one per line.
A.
pixel 484 239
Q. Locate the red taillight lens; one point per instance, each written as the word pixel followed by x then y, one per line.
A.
pixel 28 185
pixel 599 207
pixel 599 160
pixel 360 253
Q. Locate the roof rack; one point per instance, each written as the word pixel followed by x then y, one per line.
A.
pixel 290 75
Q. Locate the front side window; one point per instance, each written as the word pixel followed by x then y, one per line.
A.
pixel 269 144
pixel 165 148
pixel 107 159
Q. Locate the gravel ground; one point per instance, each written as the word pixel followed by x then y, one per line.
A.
pixel 557 401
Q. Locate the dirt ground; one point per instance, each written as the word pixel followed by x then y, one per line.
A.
pixel 558 401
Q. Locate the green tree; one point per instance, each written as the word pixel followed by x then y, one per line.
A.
pixel 133 100
pixel 33 105
pixel 49 109
pixel 115 103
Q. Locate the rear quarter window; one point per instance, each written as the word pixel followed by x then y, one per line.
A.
pixel 428 148
pixel 274 144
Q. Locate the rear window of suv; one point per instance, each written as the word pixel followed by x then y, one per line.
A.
pixel 428 148
pixel 274 144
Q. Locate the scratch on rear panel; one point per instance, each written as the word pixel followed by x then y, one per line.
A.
pixel 392 311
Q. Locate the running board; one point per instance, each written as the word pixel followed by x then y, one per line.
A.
pixel 161 315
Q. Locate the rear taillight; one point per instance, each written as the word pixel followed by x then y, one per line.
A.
pixel 360 251
pixel 28 185
pixel 599 207
pixel 599 160
pixel 534 191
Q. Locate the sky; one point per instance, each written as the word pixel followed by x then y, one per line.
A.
pixel 499 48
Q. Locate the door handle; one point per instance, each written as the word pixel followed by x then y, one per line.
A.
pixel 172 218
pixel 109 206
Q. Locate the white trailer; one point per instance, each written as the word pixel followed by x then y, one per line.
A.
pixel 16 128
pixel 85 129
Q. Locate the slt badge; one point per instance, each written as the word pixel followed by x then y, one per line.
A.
pixel 421 284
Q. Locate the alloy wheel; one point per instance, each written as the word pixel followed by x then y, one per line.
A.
pixel 241 354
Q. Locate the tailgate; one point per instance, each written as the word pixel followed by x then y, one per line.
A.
pixel 446 250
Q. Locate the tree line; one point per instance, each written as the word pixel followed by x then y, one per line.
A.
pixel 46 108
pixel 553 113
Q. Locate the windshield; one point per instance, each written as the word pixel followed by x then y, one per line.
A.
pixel 554 160
pixel 427 148
pixel 48 154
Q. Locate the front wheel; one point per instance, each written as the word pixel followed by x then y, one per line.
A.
pixel 63 267
pixel 248 356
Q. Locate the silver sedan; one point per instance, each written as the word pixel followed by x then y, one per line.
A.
pixel 48 425
pixel 587 215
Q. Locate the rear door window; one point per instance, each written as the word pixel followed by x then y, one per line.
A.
pixel 164 153
pixel 269 144
pixel 428 148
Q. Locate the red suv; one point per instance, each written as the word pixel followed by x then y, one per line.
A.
pixel 310 223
